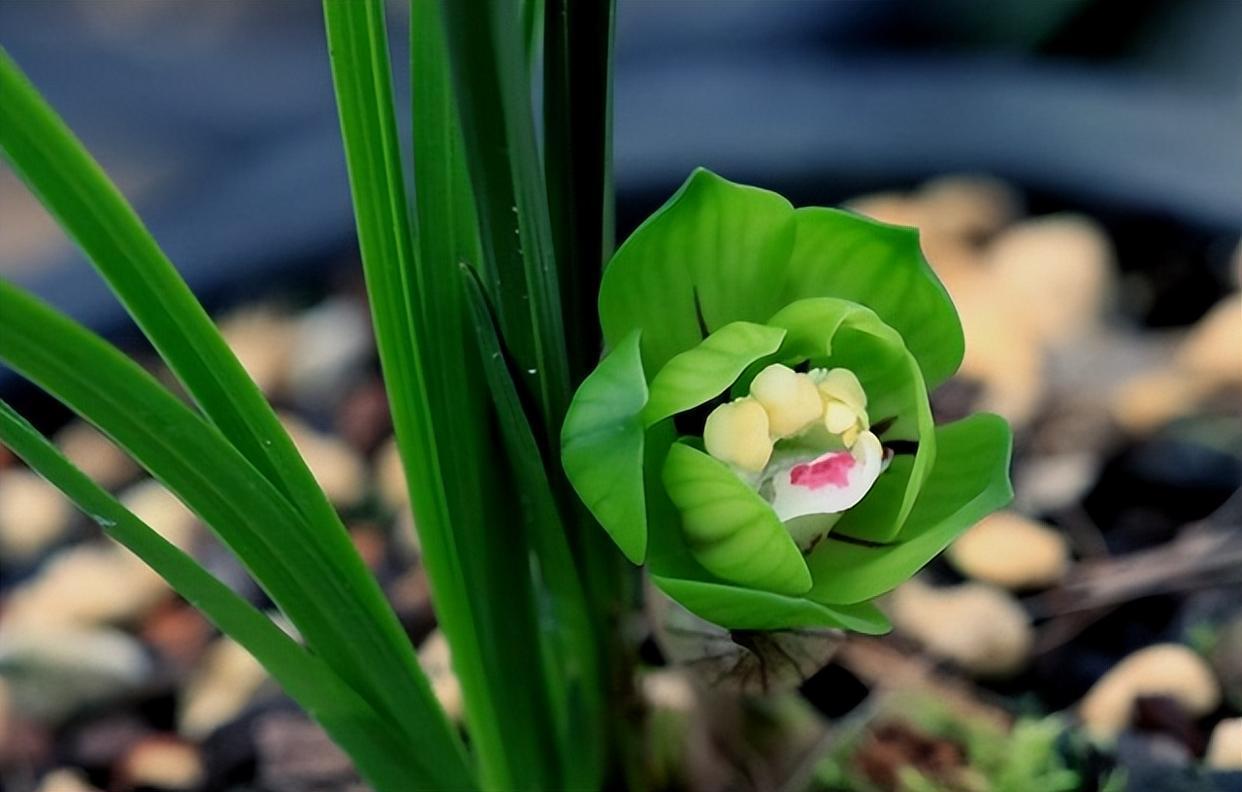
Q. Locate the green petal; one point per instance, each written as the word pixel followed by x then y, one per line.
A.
pixel 602 446
pixel 704 372
pixel 732 531
pixel 836 333
pixel 748 609
pixel 970 480
pixel 714 254
pixel 838 254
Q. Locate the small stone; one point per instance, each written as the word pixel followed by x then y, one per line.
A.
pixel 390 476
pixel 893 208
pixel 1056 481
pixel 1055 273
pixel 162 512
pixel 162 762
pixel 1001 354
pixel 95 455
pixel 1152 399
pixel 178 632
pixel 262 339
pixel 980 628
pixel 54 672
pixel 1212 353
pixel 1225 746
pixel 332 343
pixel 86 584
pixel 219 689
pixel 65 779
pixel 971 207
pixel 437 663
pixel 363 419
pixel 370 543
pixel 336 466
pixel 1169 670
pixel 33 515
pixel 1011 551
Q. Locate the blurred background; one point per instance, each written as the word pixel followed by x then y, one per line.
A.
pixel 1075 167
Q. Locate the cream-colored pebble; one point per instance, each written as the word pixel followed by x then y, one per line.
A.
pixel 1169 670
pixel 1055 273
pixel 1011 551
pixel 968 205
pixel 95 455
pixel 1225 747
pixel 981 628
pixel 262 338
pixel 65 779
pixel 390 475
pixel 33 514
pixel 163 763
pixel 791 400
pixel 738 433
pixel 437 663
pixel 1212 353
pixel 224 682
pixel 337 467
pixel 152 503
pixel 86 584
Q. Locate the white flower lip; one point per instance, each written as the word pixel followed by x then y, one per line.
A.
pixel 827 484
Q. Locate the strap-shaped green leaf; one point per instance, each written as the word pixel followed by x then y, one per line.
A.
pixel 838 333
pixel 969 481
pixel 700 374
pixel 732 531
pixel 736 608
pixel 602 446
pixel 712 255
pixel 91 210
pixel 324 588
pixel 839 254
pixel 350 721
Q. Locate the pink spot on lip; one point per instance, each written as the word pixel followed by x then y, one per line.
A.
pixel 830 470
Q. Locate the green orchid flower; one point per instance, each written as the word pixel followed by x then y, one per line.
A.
pixel 759 432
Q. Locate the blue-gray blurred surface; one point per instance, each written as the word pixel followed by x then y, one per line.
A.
pixel 218 117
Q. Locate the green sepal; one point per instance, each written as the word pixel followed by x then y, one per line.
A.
pixel 700 374
pixel 881 266
pixel 710 256
pixel 730 530
pixel 719 252
pixel 970 480
pixel 602 446
pixel 736 608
